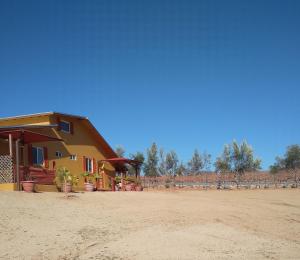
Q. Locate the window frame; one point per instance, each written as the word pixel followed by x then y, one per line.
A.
pixel 89 167
pixel 58 154
pixel 73 157
pixel 36 149
pixel 65 122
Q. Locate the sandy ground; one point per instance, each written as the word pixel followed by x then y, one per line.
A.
pixel 258 224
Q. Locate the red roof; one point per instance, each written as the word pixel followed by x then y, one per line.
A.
pixel 27 136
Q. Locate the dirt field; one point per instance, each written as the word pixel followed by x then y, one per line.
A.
pixel 258 224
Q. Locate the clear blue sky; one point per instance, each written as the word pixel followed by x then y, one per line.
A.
pixel 185 74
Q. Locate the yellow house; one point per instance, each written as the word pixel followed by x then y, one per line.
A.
pixel 55 140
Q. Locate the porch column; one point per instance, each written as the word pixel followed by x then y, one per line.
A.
pixel 113 184
pixel 122 181
pixel 18 164
pixel 10 141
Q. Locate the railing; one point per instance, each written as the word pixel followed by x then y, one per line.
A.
pixel 40 175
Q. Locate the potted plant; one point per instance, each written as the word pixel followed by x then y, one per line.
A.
pixel 118 183
pixel 99 181
pixel 64 180
pixel 88 181
pixel 130 184
pixel 29 184
pixel 138 186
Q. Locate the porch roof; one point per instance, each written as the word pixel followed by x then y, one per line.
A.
pixel 27 136
pixel 120 163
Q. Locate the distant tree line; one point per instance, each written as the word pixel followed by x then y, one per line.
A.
pixel 235 158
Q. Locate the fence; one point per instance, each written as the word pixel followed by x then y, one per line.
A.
pixel 223 181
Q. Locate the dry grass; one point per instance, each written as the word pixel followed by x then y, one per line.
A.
pixel 249 224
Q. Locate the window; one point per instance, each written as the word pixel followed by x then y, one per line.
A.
pixel 58 154
pixel 65 126
pixel 37 155
pixel 73 157
pixel 88 165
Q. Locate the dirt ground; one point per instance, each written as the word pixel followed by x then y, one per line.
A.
pixel 250 224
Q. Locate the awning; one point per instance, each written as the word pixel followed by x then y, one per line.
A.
pixel 27 136
pixel 120 163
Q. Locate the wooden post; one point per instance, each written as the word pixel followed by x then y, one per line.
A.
pixel 104 180
pixel 18 164
pixel 113 184
pixel 10 145
pixel 122 181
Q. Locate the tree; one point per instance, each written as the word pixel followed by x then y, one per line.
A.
pixel 206 158
pixel 196 163
pixel 290 162
pixel 222 163
pixel 150 166
pixel 138 156
pixel 162 169
pixel 275 169
pixel 237 159
pixel 120 151
pixel 181 169
pixel 171 163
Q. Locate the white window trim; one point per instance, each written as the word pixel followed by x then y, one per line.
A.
pixel 68 132
pixel 73 157
pixel 42 149
pixel 92 165
pixel 58 152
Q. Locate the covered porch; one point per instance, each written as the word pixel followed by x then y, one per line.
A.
pixel 14 166
pixel 121 168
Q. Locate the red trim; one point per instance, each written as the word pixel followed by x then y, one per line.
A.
pixel 46 162
pixel 94 165
pixel 84 165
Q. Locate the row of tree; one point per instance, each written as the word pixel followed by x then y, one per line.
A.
pixel 235 158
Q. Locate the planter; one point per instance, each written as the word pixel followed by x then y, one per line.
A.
pixel 128 187
pixel 99 184
pixel 28 186
pixel 139 188
pixel 67 187
pixel 89 187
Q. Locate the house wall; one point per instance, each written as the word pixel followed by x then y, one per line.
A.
pixel 84 142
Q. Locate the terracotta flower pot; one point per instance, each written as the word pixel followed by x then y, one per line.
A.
pixel 133 185
pixel 89 186
pixel 128 187
pixel 99 184
pixel 139 188
pixel 28 186
pixel 67 187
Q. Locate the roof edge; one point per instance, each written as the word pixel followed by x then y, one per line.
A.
pixel 41 114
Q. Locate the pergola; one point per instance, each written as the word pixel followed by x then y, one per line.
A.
pixel 21 134
pixel 120 166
